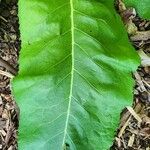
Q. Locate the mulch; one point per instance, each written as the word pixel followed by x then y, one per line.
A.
pixel 9 47
pixel 134 129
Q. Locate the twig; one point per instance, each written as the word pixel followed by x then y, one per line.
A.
pixel 3 19
pixel 7 66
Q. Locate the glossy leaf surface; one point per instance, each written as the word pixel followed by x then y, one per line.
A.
pixel 75 74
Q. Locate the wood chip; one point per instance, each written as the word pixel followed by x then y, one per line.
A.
pixel 7 74
pixel 3 132
pixel 8 135
pixel 118 141
pixel 145 59
pixel 148 85
pixel 5 114
pixel 124 127
pixel 139 80
pixel 6 65
pixel 10 148
pixel 124 143
pixel 134 114
pixel 141 36
pixel 1 102
pixel 131 140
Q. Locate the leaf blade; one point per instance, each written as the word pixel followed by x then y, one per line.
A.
pixel 53 79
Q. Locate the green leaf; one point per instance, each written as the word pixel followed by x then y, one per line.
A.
pixel 75 74
pixel 142 6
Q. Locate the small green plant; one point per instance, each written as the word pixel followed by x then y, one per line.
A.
pixel 75 74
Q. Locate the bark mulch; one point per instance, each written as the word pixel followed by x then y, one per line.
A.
pixel 134 128
pixel 9 46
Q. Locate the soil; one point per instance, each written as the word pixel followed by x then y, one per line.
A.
pixel 134 128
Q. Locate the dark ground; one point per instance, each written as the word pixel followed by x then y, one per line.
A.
pixel 134 129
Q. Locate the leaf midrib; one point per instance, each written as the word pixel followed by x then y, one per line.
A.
pixel 72 70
